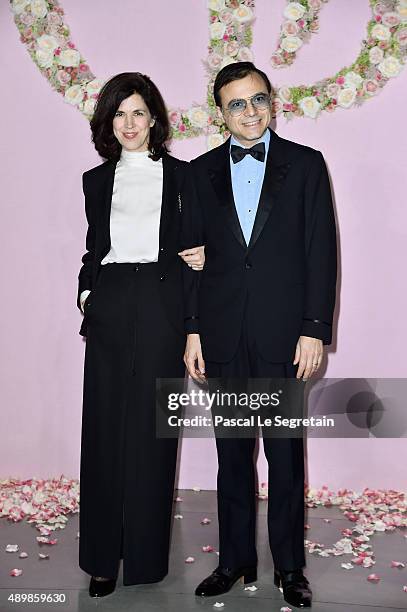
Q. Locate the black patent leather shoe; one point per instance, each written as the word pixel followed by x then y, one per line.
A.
pixel 222 579
pixel 295 587
pixel 101 588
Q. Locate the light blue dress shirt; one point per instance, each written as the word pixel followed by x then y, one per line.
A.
pixel 247 181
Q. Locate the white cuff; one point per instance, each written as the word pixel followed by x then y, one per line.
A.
pixel 82 297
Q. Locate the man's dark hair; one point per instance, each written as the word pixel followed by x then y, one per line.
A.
pixel 111 96
pixel 234 72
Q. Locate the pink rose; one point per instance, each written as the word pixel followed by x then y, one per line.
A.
pixel 378 18
pixel 225 37
pixel 54 19
pixel 340 80
pixel 84 68
pixel 276 60
pixel 277 106
pixel 290 28
pixel 71 45
pixel 287 107
pixel 57 51
pixel 213 18
pixel 401 37
pixel 332 90
pixel 182 127
pixel 391 19
pixel 315 5
pixel 174 117
pixel 226 16
pixel 27 19
pixel 232 48
pixel 233 4
pixel 214 60
pixel 380 8
pixel 371 87
pixel 63 77
pixel 301 23
pixel 314 26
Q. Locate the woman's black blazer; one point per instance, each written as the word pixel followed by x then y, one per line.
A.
pixel 98 187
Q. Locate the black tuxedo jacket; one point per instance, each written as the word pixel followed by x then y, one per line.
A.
pixel 286 275
pixel 98 187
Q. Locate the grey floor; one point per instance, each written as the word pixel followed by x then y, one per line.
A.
pixel 335 589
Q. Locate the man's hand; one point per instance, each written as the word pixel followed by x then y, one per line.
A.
pixel 193 356
pixel 308 355
pixel 194 258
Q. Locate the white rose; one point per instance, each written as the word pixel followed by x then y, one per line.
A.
pixel 70 57
pixel 243 14
pixel 284 93
pixel 217 30
pixel 89 106
pixel 245 54
pixel 227 60
pixel 216 5
pixel 291 43
pixel 47 43
pixel 214 140
pixel 346 97
pixel 198 117
pixel 381 32
pixel 402 11
pixel 352 79
pixel 44 57
pixel 390 66
pixel 294 10
pixel 18 6
pixel 376 55
pixel 310 106
pixel 93 87
pixel 74 95
pixel 39 8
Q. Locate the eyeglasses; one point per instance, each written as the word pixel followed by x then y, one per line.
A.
pixel 259 101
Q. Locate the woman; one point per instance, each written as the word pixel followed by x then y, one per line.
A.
pixel 130 291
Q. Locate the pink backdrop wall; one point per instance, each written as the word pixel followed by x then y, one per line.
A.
pixel 45 147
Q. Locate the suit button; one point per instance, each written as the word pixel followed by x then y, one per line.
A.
pixel 135 268
pixel 248 265
pixel 162 249
pixel 162 278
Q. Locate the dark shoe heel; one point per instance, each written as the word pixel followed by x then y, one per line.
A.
pixel 250 576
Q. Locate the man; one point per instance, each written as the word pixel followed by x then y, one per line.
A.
pixel 263 308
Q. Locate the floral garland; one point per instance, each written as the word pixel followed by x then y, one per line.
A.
pixel 47 38
pixel 301 20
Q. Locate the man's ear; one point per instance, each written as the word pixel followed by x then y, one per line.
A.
pixel 220 114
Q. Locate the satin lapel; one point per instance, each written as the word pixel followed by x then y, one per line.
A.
pixel 222 183
pixel 168 202
pixel 276 171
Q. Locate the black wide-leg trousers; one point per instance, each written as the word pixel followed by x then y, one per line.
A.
pixel 127 474
pixel 236 476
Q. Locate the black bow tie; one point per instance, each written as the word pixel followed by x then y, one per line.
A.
pixel 258 152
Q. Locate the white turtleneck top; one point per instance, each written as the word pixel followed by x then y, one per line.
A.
pixel 135 211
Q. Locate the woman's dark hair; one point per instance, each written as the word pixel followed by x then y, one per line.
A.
pixel 112 94
pixel 234 72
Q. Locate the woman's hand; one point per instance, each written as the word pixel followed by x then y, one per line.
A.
pixel 193 358
pixel 194 258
